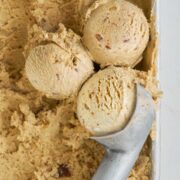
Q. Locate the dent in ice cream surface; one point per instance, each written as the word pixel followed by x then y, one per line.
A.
pixel 116 32
pixel 58 67
pixel 106 101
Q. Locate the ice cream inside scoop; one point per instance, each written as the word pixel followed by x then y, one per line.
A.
pixel 116 32
pixel 106 101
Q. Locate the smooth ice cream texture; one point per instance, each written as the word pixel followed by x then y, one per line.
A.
pixel 59 69
pixel 106 101
pixel 116 32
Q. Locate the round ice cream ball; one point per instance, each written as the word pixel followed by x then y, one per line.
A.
pixel 116 33
pixel 106 101
pixel 57 72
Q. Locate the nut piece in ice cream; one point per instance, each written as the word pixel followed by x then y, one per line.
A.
pixel 116 33
pixel 57 72
pixel 106 101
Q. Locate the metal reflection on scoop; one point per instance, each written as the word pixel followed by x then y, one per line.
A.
pixel 123 147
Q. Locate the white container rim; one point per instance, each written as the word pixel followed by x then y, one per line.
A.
pixel 156 149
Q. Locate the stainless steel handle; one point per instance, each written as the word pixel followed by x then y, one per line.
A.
pixel 117 165
pixel 128 142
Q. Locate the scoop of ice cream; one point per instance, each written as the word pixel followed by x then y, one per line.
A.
pixel 116 33
pixel 56 62
pixel 57 72
pixel 106 101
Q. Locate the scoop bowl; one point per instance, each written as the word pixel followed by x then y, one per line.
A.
pixel 123 147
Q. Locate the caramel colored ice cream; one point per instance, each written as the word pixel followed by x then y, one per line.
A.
pixel 41 138
pixel 36 139
pixel 116 32
pixel 58 70
pixel 106 101
pixel 14 17
pixel 49 13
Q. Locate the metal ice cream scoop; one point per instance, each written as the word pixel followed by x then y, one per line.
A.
pixel 123 147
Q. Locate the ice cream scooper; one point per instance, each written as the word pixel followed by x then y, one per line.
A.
pixel 123 147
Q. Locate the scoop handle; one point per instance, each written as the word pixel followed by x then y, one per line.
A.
pixel 117 165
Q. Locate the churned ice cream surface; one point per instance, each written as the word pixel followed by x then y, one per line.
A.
pixel 41 138
pixel 49 13
pixel 36 140
pixel 14 17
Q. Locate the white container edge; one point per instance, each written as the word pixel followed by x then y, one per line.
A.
pixel 156 149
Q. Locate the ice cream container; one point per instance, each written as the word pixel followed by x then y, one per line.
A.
pixel 154 64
